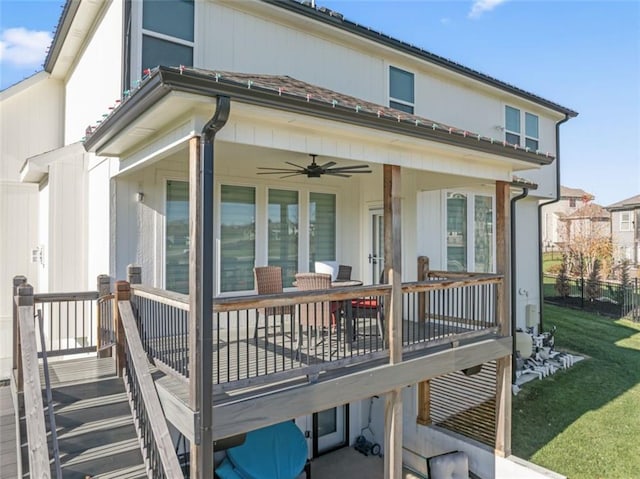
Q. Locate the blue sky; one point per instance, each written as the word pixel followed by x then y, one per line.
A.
pixel 584 55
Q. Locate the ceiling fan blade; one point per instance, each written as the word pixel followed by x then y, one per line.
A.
pixel 293 164
pixel 328 165
pixel 293 174
pixel 277 169
pixel 330 172
pixel 354 167
pixel 279 172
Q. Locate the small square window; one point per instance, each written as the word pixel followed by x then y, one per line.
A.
pixel 625 221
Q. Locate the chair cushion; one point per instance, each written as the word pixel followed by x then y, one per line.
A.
pixel 452 465
pixel 365 303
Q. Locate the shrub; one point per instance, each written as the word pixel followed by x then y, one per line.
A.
pixel 562 280
pixel 593 287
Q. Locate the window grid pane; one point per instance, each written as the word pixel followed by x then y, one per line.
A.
pixel 237 238
pixel 401 85
pixel 512 139
pixel 156 51
pixel 177 237
pixel 174 18
pixel 531 144
pixel 483 234
pixel 322 228
pixel 401 106
pixel 283 232
pixel 512 119
pixel 530 125
pixel 456 232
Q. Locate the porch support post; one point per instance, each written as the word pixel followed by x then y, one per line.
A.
pixel 17 347
pixel 201 266
pixel 503 311
pixel 393 317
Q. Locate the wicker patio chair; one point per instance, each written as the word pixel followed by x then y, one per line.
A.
pixel 319 316
pixel 269 281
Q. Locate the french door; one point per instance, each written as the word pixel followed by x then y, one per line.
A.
pixel 330 429
pixel 376 242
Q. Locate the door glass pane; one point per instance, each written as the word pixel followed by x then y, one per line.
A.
pixel 483 224
pixel 177 237
pixel 322 228
pixel 174 18
pixel 283 233
pixel 237 237
pixel 456 232
pixel 327 422
pixel 161 52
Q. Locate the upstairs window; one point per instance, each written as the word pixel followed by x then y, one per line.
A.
pixel 167 33
pixel 625 221
pixel 401 90
pixel 513 120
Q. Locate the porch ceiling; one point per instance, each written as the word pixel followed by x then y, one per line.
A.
pixel 169 94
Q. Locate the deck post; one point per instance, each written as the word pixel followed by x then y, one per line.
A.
pixel 393 316
pixel 503 311
pixel 122 293
pixel 17 348
pixel 134 274
pixel 423 275
pixel 103 286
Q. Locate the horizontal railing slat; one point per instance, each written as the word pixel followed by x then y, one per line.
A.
pixel 64 297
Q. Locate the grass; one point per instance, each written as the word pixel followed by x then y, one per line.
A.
pixel 550 259
pixel 585 422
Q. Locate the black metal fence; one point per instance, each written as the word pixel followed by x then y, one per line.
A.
pixel 604 297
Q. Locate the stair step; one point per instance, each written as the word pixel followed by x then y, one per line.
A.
pixel 104 460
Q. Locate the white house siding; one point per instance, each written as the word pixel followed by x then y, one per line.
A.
pixel 231 39
pixel 527 266
pixel 98 220
pixel 94 83
pixel 18 204
pixel 29 113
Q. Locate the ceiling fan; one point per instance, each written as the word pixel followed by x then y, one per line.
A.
pixel 314 170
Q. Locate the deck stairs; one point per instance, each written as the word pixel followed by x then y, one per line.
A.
pixel 96 434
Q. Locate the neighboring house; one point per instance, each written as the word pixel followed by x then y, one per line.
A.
pixel 103 143
pixel 590 222
pixel 625 230
pixel 552 226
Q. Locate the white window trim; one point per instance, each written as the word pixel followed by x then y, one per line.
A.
pixel 626 222
pixel 471 231
pixel 161 243
pixel 522 134
pixel 136 38
pixel 261 252
pixel 398 100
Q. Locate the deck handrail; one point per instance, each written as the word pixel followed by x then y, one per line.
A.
pixel 34 412
pixel 154 415
pixel 63 297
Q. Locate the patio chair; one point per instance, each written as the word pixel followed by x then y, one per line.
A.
pixel 344 272
pixel 369 308
pixel 269 281
pixel 319 316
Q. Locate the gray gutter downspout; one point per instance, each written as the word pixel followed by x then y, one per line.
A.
pixel 512 212
pixel 205 305
pixel 540 206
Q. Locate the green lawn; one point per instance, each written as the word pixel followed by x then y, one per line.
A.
pixel 585 422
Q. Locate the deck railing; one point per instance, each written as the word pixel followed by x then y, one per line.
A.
pixel 266 338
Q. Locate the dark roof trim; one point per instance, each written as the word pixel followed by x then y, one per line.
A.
pixel 60 35
pixel 331 18
pixel 164 80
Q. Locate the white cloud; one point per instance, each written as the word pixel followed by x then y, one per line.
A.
pixel 481 6
pixel 20 47
pixel 445 21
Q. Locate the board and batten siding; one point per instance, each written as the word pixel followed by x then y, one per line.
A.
pixel 94 83
pixel 347 64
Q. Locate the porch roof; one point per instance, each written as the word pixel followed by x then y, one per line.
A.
pixel 285 93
